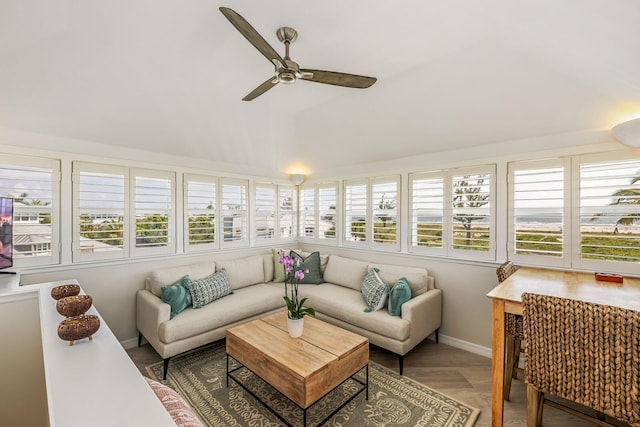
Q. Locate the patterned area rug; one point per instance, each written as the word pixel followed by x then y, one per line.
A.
pixel 200 375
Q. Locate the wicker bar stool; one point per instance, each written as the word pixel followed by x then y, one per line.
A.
pixel 513 335
pixel 585 353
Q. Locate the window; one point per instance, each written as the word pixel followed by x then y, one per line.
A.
pixel 234 212
pixel 471 233
pixel 34 184
pixel 452 212
pixel 355 211
pixel 307 212
pixel 286 212
pixel 120 212
pixel 265 212
pixel 427 210
pixel 200 211
pixel 371 213
pixel 609 215
pixel 327 220
pixel 537 215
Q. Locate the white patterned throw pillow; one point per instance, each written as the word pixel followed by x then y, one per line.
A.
pixel 208 289
pixel 374 290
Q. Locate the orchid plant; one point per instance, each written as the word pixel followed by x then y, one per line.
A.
pixel 293 274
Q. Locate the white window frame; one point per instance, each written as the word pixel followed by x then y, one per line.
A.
pixel 413 247
pixel 54 165
pixel 272 210
pixel 305 217
pixel 281 190
pixel 205 179
pixel 577 261
pixel 368 184
pixel 243 241
pixel 532 258
pixel 317 213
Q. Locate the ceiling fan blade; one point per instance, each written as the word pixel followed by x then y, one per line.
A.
pixel 268 84
pixel 251 34
pixel 338 79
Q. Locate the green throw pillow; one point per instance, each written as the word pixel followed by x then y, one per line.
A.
pixel 177 295
pixel 278 269
pixel 203 291
pixel 311 263
pixel 400 293
pixel 374 291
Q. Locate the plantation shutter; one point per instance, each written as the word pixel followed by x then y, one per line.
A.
pixel 355 211
pixel 307 212
pixel 34 184
pixel 286 212
pixel 200 200
pixel 265 212
pixel 472 233
pixel 537 229
pixel 384 208
pixel 327 201
pixel 427 211
pixel 153 210
pixel 100 212
pixel 609 215
pixel 234 212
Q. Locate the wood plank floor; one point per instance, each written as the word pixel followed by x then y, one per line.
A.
pixel 462 375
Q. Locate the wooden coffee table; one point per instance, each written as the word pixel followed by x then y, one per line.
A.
pixel 303 369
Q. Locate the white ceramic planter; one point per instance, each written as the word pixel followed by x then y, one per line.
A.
pixel 295 327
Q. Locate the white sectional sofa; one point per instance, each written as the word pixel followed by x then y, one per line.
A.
pixel 337 301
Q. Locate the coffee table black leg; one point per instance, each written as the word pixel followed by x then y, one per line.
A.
pixel 366 392
pixel 304 417
pixel 227 370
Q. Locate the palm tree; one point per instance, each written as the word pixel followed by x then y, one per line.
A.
pixel 626 197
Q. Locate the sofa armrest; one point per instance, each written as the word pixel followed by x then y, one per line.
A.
pixel 424 313
pixel 150 313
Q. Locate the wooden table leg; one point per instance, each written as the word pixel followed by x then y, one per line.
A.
pixel 497 363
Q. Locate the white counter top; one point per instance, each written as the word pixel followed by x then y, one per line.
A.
pixel 93 382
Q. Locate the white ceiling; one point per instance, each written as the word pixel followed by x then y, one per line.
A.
pixel 168 76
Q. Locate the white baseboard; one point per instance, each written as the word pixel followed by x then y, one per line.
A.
pixel 466 345
pixel 130 343
pixel 453 342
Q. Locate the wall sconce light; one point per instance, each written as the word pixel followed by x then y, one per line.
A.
pixel 297 178
pixel 628 133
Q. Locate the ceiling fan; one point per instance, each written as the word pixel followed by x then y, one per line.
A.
pixel 287 71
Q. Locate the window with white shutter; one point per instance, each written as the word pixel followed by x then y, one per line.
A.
pixel 427 211
pixel 152 193
pixel 472 231
pixel 100 212
pixel 265 212
pixel 286 212
pixel 327 214
pixel 537 229
pixel 234 210
pixel 307 212
pixel 384 207
pixel 200 208
pixel 355 210
pixel 609 215
pixel 34 184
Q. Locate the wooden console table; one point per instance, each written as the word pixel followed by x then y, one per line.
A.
pixel 506 298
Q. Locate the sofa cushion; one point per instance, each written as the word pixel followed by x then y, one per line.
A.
pixel 168 276
pixel 176 406
pixel 374 291
pixel 400 294
pixel 208 289
pixel 418 278
pixel 345 272
pixel 348 305
pixel 324 259
pixel 267 264
pixel 311 267
pixel 243 271
pixel 242 304
pixel 278 268
pixel 177 295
